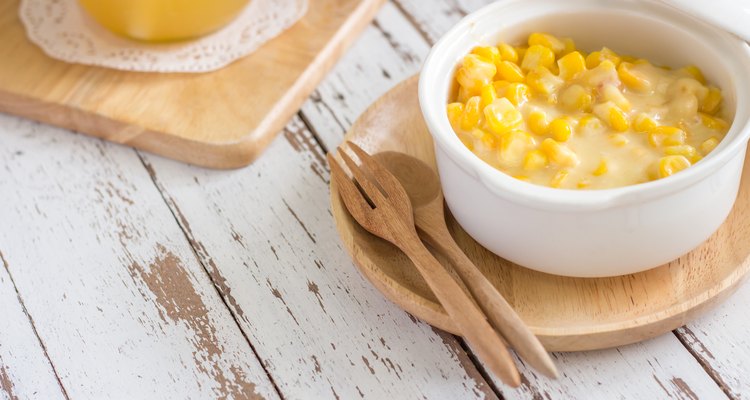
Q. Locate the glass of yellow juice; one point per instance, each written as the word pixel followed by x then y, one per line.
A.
pixel 163 20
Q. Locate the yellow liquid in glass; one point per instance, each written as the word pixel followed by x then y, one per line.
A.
pixel 163 20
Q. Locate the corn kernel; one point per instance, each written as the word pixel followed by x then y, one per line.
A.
pixel 712 122
pixel 475 72
pixel 666 136
pixel 683 150
pixel 570 46
pixel 521 52
pixel 589 124
pixel 507 52
pixel 548 41
pixel 502 116
pixel 487 95
pixel 602 168
pixel 571 65
pixel 561 129
pixel 510 72
pixel 632 78
pixel 558 153
pixel 597 57
pixel 670 165
pixel 472 111
pixel 559 179
pixel 712 101
pixel 538 56
pixel 517 93
pixel 537 122
pixel 576 98
pixel 463 94
pixel 613 94
pixel 522 178
pixel 512 147
pixel 618 139
pixel 695 72
pixel 500 87
pixel 484 138
pixel 583 183
pixel 643 123
pixel 541 80
pixel 602 74
pixel 455 111
pixel 534 160
pixel 612 115
pixel 489 53
pixel 709 145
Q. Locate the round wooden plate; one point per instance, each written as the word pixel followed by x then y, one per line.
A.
pixel 566 313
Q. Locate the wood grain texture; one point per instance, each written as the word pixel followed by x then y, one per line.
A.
pixel 25 371
pixel 266 236
pixel 115 292
pixel 220 119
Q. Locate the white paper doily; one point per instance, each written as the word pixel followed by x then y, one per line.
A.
pixel 64 31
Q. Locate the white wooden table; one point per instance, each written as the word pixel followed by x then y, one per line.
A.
pixel 124 275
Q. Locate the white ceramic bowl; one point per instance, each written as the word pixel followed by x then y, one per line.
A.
pixel 592 233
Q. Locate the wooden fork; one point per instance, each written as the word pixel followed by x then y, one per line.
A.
pixel 383 208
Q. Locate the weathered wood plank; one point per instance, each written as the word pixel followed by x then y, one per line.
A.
pixel 25 371
pixel 266 235
pixel 116 294
pixel 720 340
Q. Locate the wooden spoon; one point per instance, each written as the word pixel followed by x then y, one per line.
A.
pixel 423 187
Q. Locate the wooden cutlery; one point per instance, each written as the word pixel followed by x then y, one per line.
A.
pixel 388 205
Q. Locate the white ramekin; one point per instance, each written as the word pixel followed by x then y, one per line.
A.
pixel 592 233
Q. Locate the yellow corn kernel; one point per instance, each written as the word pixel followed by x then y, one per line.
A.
pixel 612 115
pixel 500 87
pixel 522 178
pixel 683 150
pixel 472 110
pixel 507 52
pixel 666 136
pixel 534 160
pixel 484 138
pixel 521 52
pixel 455 111
pixel 463 95
pixel 602 74
pixel 570 46
pixel 509 71
pixel 559 179
pixel 613 94
pixel 571 65
pixel 541 80
pixel 597 57
pixel 632 78
pixel 618 139
pixel 517 93
pixel 546 40
pixel 561 129
pixel 475 72
pixel 558 153
pixel 695 72
pixel 576 98
pixel 589 123
pixel 538 56
pixel 670 165
pixel 502 116
pixel 512 146
pixel 489 53
pixel 537 122
pixel 713 122
pixel 712 101
pixel 602 168
pixel 643 123
pixel 709 145
pixel 583 183
pixel 487 95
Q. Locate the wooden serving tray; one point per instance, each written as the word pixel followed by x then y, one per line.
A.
pixel 220 119
pixel 567 314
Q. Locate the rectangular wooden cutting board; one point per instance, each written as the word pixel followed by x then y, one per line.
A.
pixel 219 119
